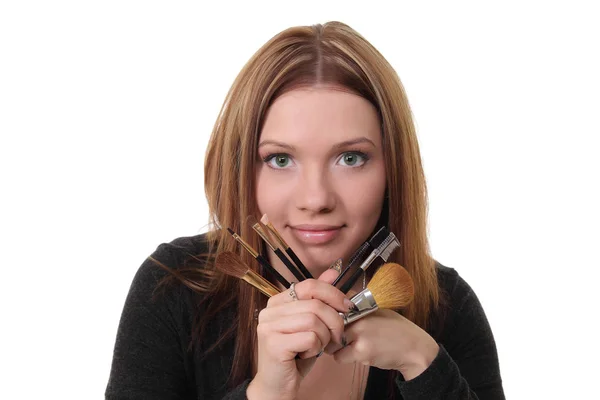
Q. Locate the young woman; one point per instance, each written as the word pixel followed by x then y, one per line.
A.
pixel 316 132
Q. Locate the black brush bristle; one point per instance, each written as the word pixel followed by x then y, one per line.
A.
pixel 379 237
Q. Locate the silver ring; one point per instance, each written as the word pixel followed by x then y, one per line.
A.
pixel 293 292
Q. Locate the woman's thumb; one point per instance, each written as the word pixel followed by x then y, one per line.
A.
pixel 330 275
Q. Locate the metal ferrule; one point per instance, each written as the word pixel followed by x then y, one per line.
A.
pixel 364 300
pixel 260 283
pixel 365 305
pixel 352 316
pixel 263 235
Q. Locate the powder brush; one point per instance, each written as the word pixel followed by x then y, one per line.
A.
pixel 230 263
pixel 390 288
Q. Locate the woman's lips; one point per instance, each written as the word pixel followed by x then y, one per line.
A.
pixel 316 234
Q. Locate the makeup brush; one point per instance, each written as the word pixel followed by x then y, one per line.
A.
pixel 390 288
pixel 231 264
pixel 264 233
pixel 288 249
pixel 259 258
pixel 383 251
pixel 359 255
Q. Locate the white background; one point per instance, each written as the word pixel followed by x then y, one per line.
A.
pixel 105 112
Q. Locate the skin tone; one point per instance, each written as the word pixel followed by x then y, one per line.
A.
pixel 321 181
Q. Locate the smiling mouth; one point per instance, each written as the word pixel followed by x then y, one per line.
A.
pixel 316 234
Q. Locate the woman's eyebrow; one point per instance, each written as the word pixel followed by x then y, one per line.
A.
pixel 345 143
pixel 276 143
pixel 352 142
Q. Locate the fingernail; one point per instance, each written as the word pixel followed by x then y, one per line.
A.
pixel 337 265
pixel 349 305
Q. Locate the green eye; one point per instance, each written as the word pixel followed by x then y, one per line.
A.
pixel 278 161
pixel 350 159
pixel 353 159
pixel 282 161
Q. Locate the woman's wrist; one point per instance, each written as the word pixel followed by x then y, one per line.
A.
pixel 253 392
pixel 419 360
pixel 256 392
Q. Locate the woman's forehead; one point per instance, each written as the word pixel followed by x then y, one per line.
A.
pixel 320 114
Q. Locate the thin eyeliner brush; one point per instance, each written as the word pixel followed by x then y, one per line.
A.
pixel 362 250
pixel 263 233
pixel 359 255
pixel 288 249
pixel 262 261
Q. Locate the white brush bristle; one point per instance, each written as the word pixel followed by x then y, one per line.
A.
pixel 265 219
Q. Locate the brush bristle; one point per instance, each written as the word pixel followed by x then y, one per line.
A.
pixel 251 219
pixel 392 287
pixel 230 263
pixel 265 219
pixel 264 229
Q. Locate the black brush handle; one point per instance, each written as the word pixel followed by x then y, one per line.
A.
pixel 356 257
pixel 352 280
pixel 301 266
pixel 272 270
pixel 341 275
pixel 289 265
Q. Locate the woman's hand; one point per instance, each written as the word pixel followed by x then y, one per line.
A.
pixel 387 340
pixel 303 327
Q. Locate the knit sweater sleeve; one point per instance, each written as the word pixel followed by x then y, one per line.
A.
pixel 466 366
pixel 150 359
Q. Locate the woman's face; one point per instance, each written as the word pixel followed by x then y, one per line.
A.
pixel 321 176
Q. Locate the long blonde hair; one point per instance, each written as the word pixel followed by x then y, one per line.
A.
pixel 332 53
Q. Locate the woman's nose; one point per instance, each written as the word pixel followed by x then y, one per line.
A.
pixel 315 191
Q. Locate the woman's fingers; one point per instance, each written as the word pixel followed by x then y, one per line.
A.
pixel 329 276
pixel 354 350
pixel 282 335
pixel 328 316
pixel 314 289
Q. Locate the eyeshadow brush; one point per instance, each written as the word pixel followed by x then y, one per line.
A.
pixel 261 260
pixel 264 234
pixel 288 249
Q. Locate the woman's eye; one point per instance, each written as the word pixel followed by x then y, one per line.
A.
pixel 353 159
pixel 278 160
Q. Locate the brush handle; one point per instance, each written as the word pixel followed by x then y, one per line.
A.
pixel 297 261
pixel 289 265
pixel 356 257
pixel 352 280
pixel 374 242
pixel 272 270
pixel 341 275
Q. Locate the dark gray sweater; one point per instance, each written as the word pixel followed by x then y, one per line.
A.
pixel 151 360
